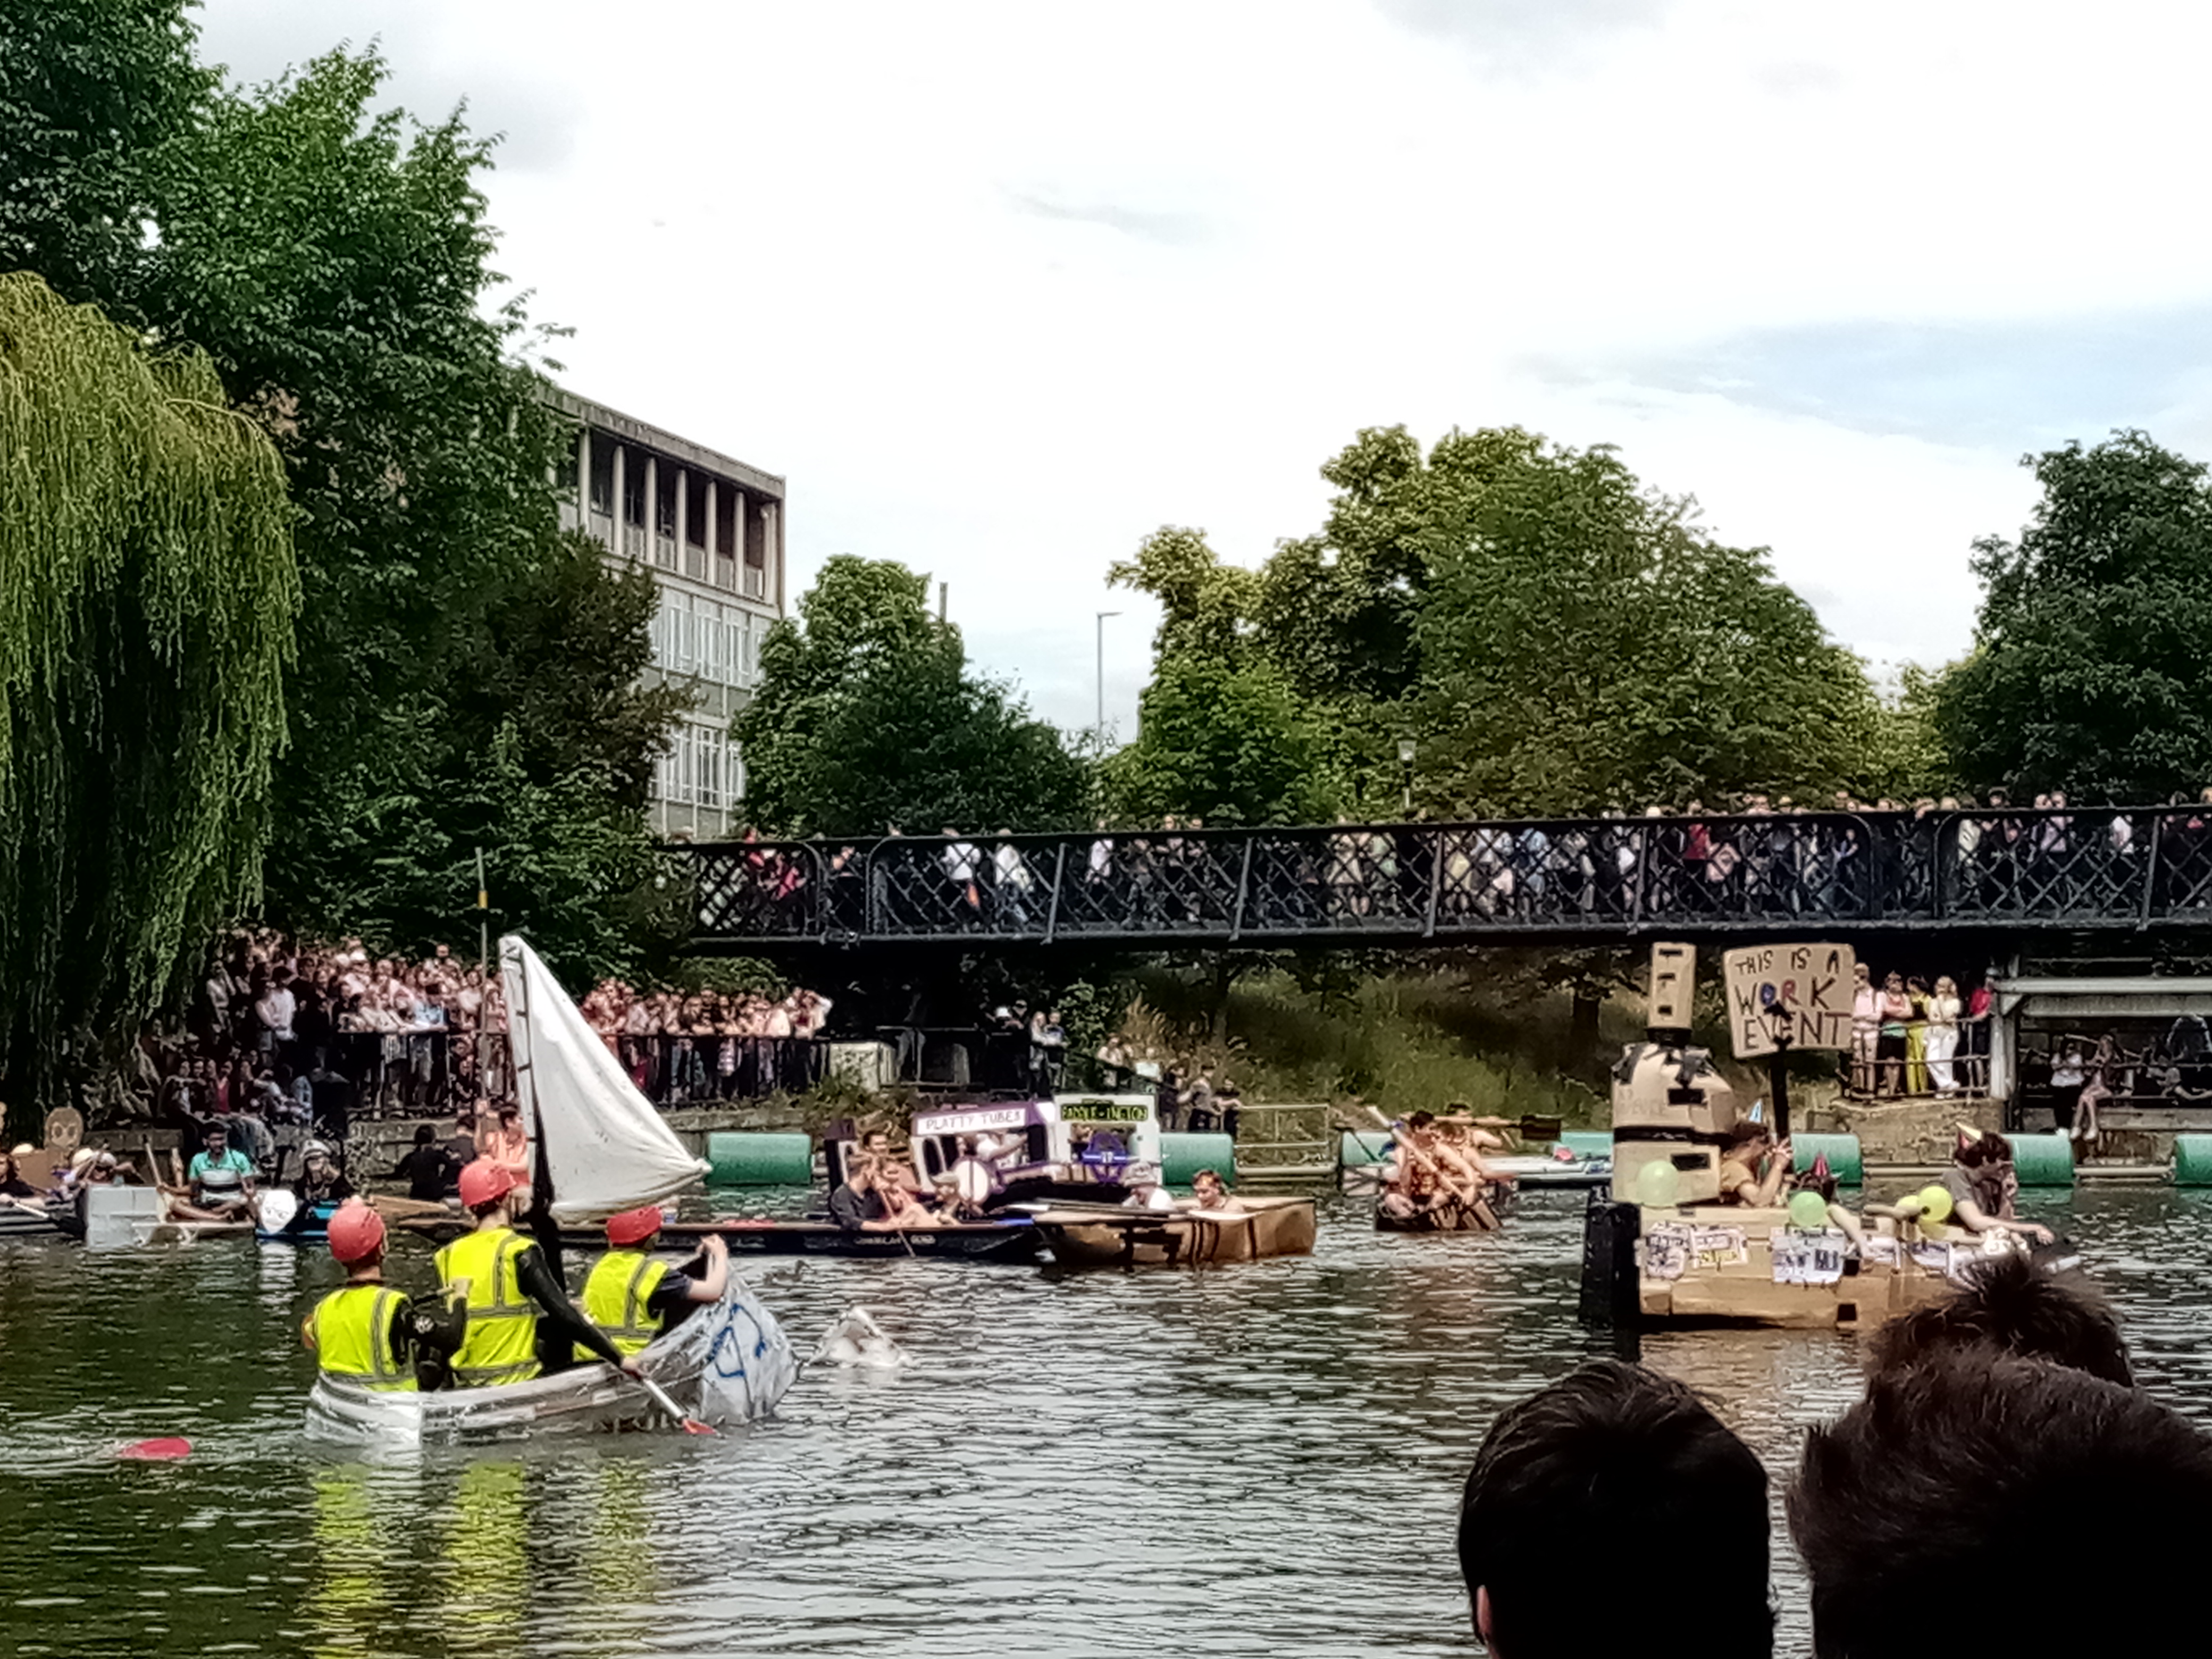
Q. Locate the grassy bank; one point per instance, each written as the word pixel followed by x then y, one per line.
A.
pixel 1398 1043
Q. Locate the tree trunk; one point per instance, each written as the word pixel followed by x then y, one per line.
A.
pixel 1583 1059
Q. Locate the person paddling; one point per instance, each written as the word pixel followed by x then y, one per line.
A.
pixel 632 1298
pixel 509 1291
pixel 361 1333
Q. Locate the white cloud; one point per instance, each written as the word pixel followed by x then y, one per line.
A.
pixel 1000 288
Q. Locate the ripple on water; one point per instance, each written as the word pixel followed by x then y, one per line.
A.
pixel 1249 1461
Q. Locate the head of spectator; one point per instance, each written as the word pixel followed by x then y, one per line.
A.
pixel 1615 1452
pixel 2008 1305
pixel 1916 1511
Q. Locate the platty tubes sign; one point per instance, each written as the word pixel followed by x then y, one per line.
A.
pixel 1797 993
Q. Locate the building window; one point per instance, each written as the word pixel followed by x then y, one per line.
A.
pixel 603 473
pixel 633 489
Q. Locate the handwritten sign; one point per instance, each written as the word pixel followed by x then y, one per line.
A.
pixel 1807 1258
pixel 963 1123
pixel 1799 992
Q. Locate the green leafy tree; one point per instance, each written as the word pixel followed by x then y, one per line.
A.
pixel 333 260
pixel 1222 732
pixel 2089 671
pixel 147 590
pixel 867 716
pixel 92 92
pixel 1584 644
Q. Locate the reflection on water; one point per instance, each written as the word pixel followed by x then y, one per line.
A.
pixel 1254 1461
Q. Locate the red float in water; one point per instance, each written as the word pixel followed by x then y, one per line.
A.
pixel 155 1450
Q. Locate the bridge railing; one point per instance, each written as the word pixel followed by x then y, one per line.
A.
pixel 2101 866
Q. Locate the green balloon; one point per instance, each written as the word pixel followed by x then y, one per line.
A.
pixel 1807 1210
pixel 1934 1205
pixel 1657 1185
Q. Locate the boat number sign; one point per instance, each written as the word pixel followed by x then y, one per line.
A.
pixel 1103 1111
pixel 1799 994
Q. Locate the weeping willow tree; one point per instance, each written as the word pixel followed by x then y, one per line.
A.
pixel 147 598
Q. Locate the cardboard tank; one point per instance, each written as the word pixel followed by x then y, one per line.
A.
pixel 1670 1105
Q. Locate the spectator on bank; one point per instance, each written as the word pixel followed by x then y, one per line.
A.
pixel 1893 1008
pixel 1913 1511
pixel 1943 1039
pixel 1615 1452
pixel 1866 1024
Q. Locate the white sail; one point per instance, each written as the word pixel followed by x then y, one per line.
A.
pixel 606 1147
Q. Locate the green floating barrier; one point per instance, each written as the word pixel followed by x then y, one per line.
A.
pixel 1182 1157
pixel 2043 1160
pixel 735 1158
pixel 1588 1143
pixel 2192 1160
pixel 1844 1162
pixel 1360 1149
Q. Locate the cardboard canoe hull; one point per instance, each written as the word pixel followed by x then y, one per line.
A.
pixel 1145 1238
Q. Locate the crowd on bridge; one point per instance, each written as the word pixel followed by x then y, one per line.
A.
pixel 1759 854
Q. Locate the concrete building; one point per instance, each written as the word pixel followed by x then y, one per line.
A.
pixel 711 531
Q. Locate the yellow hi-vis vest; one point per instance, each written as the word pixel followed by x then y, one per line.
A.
pixel 502 1343
pixel 621 1283
pixel 353 1338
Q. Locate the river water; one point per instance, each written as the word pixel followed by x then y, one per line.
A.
pixel 1254 1461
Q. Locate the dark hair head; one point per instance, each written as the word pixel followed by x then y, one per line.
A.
pixel 424 1134
pixel 1921 1509
pixel 1743 1133
pixel 1420 1120
pixel 2011 1306
pixel 1613 1452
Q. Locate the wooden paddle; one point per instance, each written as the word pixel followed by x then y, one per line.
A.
pixel 691 1425
pixel 1478 1205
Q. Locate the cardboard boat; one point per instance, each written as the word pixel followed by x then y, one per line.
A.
pixel 1100 1236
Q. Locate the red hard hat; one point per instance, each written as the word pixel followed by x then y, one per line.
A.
pixel 484 1181
pixel 634 1226
pixel 356 1232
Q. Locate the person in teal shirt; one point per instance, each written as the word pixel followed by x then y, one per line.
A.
pixel 222 1179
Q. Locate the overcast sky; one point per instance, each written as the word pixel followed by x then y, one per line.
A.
pixel 1001 289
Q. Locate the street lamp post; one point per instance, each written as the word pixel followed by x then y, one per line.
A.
pixel 1405 764
pixel 1102 674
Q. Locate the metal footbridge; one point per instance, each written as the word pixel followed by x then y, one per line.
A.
pixel 2113 871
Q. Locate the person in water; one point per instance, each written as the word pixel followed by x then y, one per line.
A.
pixel 633 1297
pixel 361 1333
pixel 1613 1452
pixel 13 1189
pixel 1754 1167
pixel 510 1292
pixel 1210 1195
pixel 425 1167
